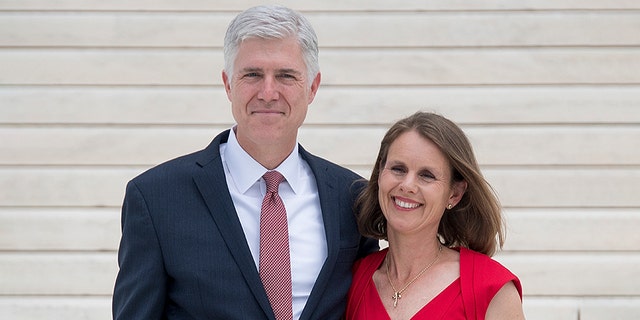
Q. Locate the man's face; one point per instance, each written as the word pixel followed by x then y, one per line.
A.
pixel 269 92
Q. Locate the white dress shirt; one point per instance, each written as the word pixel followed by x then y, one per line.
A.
pixel 299 192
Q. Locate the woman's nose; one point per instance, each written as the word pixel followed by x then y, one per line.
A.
pixel 408 184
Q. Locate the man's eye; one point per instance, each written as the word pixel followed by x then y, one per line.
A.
pixel 287 76
pixel 251 75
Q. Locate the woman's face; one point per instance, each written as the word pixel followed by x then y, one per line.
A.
pixel 415 185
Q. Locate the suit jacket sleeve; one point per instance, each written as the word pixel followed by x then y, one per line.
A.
pixel 140 287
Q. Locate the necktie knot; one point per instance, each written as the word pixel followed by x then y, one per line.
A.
pixel 273 180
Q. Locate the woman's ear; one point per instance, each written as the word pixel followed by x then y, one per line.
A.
pixel 458 190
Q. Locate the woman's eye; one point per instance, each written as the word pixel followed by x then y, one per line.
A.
pixel 397 170
pixel 427 176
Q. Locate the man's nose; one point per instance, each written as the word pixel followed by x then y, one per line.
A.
pixel 269 90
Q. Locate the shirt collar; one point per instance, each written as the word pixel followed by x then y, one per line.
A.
pixel 246 171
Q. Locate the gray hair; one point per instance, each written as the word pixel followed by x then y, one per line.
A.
pixel 271 22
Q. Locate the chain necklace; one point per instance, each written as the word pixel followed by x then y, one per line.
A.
pixel 397 294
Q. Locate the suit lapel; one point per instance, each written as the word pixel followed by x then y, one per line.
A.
pixel 211 183
pixel 330 210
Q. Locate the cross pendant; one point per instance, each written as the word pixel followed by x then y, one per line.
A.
pixel 396 296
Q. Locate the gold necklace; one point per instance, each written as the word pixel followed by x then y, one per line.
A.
pixel 397 294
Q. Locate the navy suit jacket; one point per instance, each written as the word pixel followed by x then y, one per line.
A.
pixel 183 253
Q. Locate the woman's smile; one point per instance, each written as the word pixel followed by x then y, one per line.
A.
pixel 404 203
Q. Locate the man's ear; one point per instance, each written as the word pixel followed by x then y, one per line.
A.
pixel 227 84
pixel 314 87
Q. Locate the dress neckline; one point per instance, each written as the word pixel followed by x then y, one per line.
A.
pixel 433 307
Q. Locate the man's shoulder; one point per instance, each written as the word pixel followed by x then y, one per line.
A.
pixel 324 166
pixel 173 167
pixel 184 164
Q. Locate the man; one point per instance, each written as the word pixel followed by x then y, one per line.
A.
pixel 191 228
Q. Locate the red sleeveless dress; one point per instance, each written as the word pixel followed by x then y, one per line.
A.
pixel 467 297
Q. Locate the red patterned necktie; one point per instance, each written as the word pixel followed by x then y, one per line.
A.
pixel 275 266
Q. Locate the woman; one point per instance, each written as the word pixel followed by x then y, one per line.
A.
pixel 428 199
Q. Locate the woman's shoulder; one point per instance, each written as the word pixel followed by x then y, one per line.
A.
pixel 480 261
pixel 481 277
pixel 485 271
pixel 372 260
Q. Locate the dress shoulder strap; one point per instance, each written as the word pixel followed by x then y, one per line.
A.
pixel 481 278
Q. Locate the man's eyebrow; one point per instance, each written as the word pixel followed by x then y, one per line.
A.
pixel 251 69
pixel 283 70
pixel 288 70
